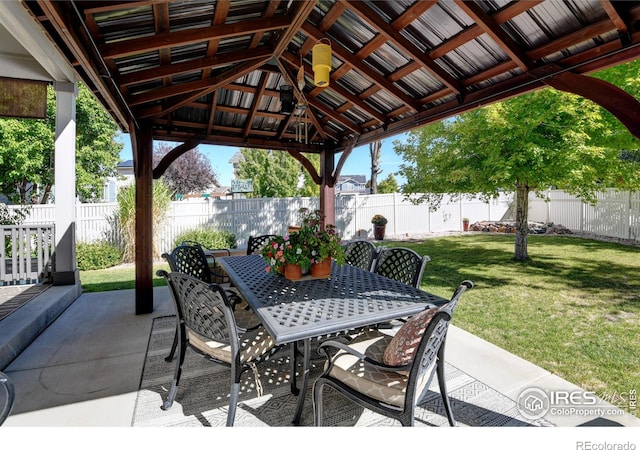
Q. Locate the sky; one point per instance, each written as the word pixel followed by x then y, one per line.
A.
pixel 358 162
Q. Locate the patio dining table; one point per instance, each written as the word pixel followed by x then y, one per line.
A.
pixel 297 311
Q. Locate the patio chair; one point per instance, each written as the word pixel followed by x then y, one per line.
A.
pixel 208 325
pixel 7 397
pixel 191 260
pixel 401 264
pixel 256 243
pixel 218 275
pixel 360 254
pixel 390 375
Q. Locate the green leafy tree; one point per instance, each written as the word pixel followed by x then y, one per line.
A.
pixel 529 143
pixel 275 174
pixel 27 153
pixel 26 156
pixel 97 150
pixel 389 185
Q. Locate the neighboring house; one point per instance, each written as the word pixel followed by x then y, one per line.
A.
pixel 223 192
pixel 113 184
pixel 352 184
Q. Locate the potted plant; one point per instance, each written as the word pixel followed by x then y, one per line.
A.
pixel 379 225
pixel 287 254
pixel 323 244
pixel 465 223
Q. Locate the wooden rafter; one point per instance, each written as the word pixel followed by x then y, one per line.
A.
pixel 202 87
pixel 489 26
pixel 190 36
pixel 390 33
pixel 364 70
pixel 256 102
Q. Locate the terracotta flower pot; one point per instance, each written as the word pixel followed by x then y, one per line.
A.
pixel 321 269
pixel 378 232
pixel 293 272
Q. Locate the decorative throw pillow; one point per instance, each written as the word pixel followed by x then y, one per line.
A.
pixel 402 347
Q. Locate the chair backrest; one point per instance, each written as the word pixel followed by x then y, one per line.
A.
pixel 202 308
pixel 190 260
pixel 7 397
pixel 360 254
pixel 431 347
pixel 216 273
pixel 255 243
pixel 401 264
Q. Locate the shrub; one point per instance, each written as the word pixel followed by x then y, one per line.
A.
pixel 97 255
pixel 208 238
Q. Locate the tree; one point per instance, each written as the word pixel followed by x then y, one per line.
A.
pixel 374 151
pixel 97 150
pixel 190 173
pixel 529 143
pixel 389 185
pixel 27 153
pixel 276 174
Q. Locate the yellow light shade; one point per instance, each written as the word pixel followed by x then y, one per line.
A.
pixel 321 59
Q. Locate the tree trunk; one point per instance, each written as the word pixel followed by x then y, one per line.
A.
pixel 374 150
pixel 47 193
pixel 522 222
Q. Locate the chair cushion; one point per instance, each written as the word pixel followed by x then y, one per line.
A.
pixel 383 385
pixel 253 344
pixel 402 347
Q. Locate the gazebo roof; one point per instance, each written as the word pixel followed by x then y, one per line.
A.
pixel 211 71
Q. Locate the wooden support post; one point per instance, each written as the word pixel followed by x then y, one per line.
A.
pixel 144 223
pixel 327 186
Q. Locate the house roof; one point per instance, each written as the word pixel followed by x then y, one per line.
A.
pixel 362 179
pixel 211 71
pixel 126 164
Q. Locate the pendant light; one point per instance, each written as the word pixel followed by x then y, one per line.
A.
pixel 321 59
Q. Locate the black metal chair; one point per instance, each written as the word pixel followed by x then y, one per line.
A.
pixel 208 325
pixel 218 275
pixel 391 374
pixel 256 243
pixel 360 254
pixel 401 264
pixel 191 260
pixel 7 397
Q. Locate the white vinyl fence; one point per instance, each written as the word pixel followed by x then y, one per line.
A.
pixel 617 214
pixel 246 217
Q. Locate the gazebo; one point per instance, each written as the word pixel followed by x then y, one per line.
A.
pixel 305 77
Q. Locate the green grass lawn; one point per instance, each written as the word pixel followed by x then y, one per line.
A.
pixel 573 308
pixel 115 278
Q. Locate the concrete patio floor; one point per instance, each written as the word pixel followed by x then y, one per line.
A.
pixel 84 369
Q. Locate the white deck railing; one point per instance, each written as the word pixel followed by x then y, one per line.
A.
pixel 26 253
